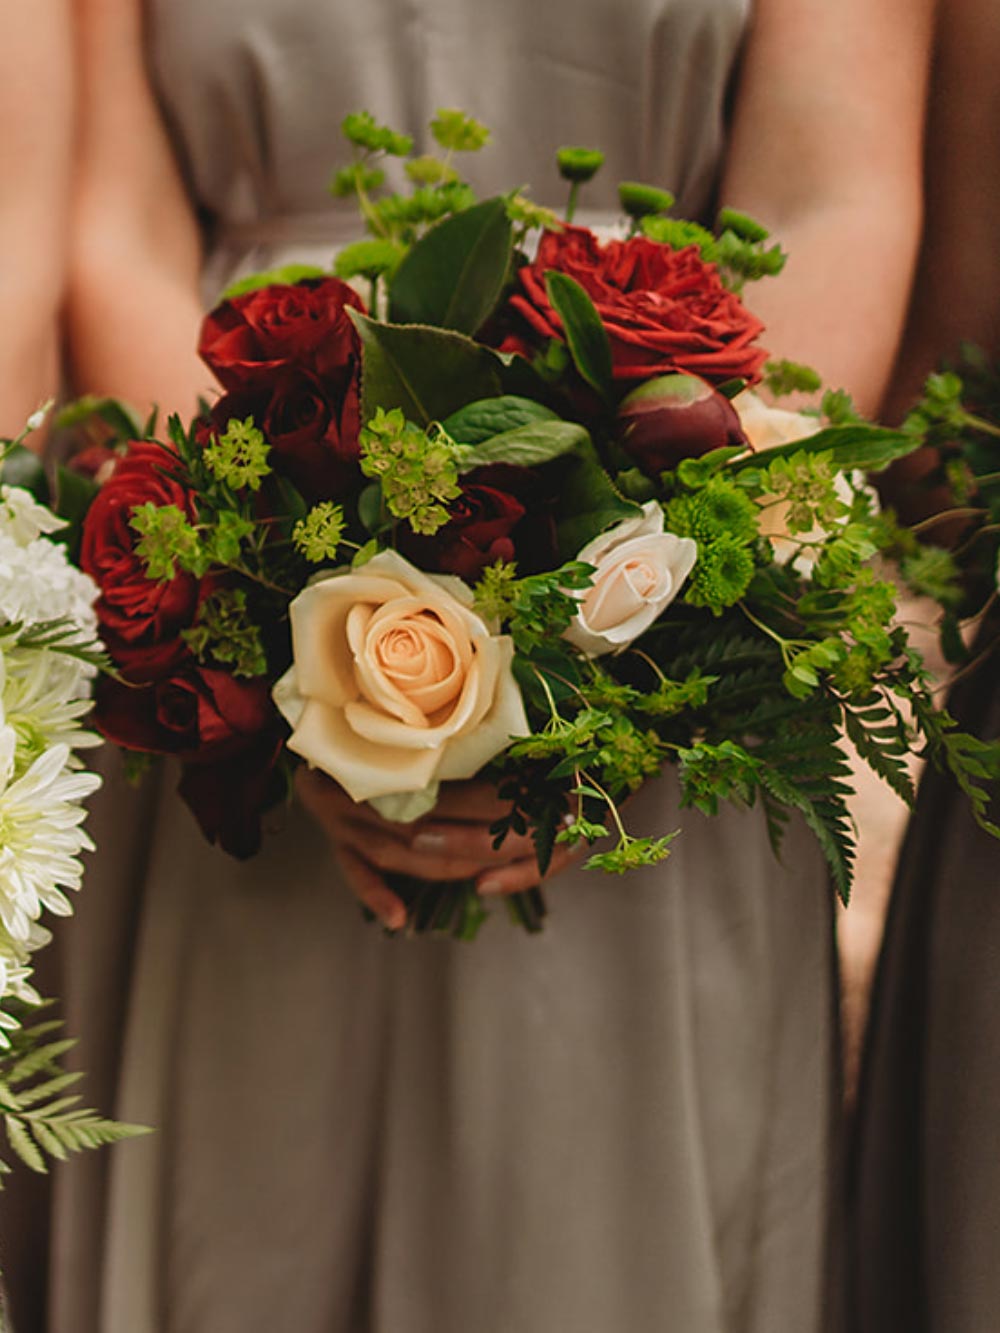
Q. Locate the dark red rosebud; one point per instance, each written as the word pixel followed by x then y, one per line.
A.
pixel 197 713
pixel 94 461
pixel 140 618
pixel 227 797
pixel 675 417
pixel 502 514
pixel 253 339
pixel 663 309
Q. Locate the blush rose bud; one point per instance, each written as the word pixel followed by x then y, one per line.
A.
pixel 674 417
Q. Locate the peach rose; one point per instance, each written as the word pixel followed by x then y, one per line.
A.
pixel 397 684
pixel 639 571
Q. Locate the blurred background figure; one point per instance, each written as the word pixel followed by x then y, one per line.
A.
pixel 926 1242
pixel 36 108
pixel 36 132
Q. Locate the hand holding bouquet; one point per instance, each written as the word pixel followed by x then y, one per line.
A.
pixel 524 517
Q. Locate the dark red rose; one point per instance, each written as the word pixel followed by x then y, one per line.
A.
pixel 312 429
pixel 197 713
pixel 227 797
pixel 253 339
pixel 674 417
pixel 140 618
pixel 663 309
pixel 502 514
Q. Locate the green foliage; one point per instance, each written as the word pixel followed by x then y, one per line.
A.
pixel 225 632
pixel 319 534
pixel 528 445
pixel 370 259
pixel 486 418
pixel 238 457
pixel 286 275
pixel 784 377
pixel 458 132
pixel 584 330
pixel 427 373
pixel 640 201
pixel 166 539
pixel 679 233
pixel 417 469
pixel 579 165
pixel 361 129
pixel 452 278
pixel 41 1116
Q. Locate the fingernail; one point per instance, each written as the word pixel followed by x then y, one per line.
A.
pixel 429 841
pixel 488 886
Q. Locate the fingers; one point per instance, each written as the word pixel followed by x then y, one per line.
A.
pixel 371 890
pixel 523 874
pixel 454 844
pixel 468 841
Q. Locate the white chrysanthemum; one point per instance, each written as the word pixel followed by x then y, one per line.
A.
pixel 44 696
pixel 23 518
pixel 15 973
pixel 39 585
pixel 40 834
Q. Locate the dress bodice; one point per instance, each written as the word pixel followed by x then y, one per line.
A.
pixel 255 91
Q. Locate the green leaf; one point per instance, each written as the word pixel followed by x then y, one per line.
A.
pixel 590 503
pixel 20 1140
pixel 482 420
pixel 527 446
pixel 453 276
pixel 426 373
pixel 870 448
pixel 121 419
pixel 74 495
pixel 22 467
pixel 286 275
pixel 586 335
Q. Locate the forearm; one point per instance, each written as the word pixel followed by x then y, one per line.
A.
pixel 826 151
pixel 134 307
pixel 133 330
pixel 36 100
pixel 839 303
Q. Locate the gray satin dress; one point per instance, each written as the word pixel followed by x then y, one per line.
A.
pixel 621 1125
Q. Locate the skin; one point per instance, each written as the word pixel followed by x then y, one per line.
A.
pixel 956 295
pixel 36 145
pixel 825 148
pixel 36 100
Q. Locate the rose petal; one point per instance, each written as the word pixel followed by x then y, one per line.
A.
pixel 362 768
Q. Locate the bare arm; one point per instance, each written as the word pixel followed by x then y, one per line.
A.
pixel 36 97
pixel 957 292
pixel 825 149
pixel 134 306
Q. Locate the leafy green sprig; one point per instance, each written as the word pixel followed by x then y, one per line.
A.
pixel 43 1117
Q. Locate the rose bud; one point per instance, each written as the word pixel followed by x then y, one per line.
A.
pixel 675 417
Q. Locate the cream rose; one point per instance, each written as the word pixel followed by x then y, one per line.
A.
pixel 766 428
pixel 639 571
pixel 397 684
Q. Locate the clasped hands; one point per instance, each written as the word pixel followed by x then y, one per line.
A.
pixel 452 842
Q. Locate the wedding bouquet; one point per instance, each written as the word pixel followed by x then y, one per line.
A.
pixel 49 655
pixel 521 513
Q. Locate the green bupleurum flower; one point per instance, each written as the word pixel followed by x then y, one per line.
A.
pixel 319 534
pixel 166 539
pixel 417 470
pixel 238 457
